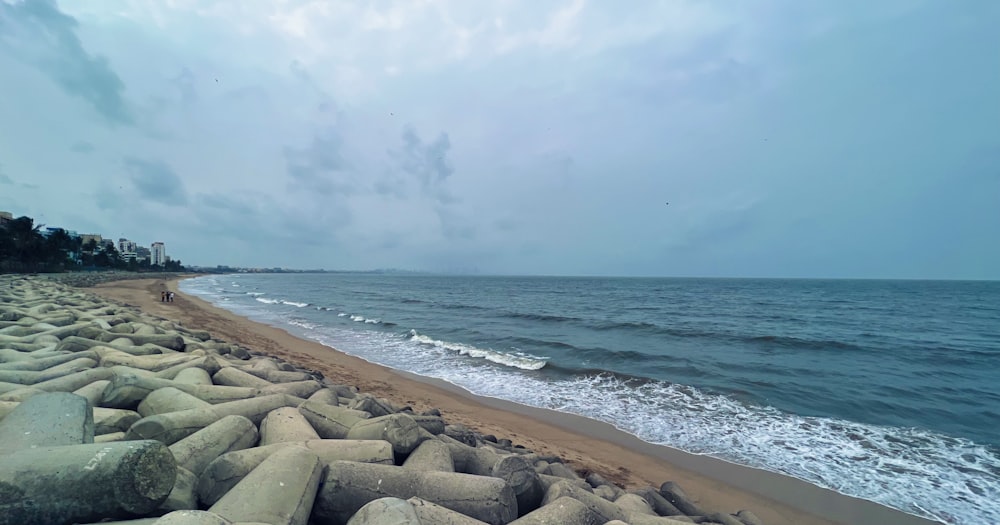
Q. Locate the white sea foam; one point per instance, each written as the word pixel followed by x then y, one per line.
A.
pixel 265 300
pixel 294 303
pixel 301 323
pixel 255 294
pixel 916 471
pixel 363 319
pixel 516 360
pixel 342 314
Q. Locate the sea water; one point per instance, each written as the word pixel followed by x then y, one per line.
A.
pixel 883 390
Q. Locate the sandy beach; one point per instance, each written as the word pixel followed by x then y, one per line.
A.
pixel 585 444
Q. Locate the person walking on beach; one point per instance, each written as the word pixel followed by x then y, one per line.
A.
pixel 163 296
pixel 170 298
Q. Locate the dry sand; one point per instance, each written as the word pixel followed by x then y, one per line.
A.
pixel 585 444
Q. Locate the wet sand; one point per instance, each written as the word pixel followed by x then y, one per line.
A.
pixel 585 444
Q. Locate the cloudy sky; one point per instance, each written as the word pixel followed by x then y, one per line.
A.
pixel 791 139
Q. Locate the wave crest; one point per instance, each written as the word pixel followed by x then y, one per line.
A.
pixel 516 360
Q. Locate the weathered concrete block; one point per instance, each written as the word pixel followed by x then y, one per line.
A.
pixel 109 437
pixel 398 429
pixel 657 502
pixel 430 455
pixel 325 396
pixel 21 394
pixel 223 473
pixel 183 495
pixel 175 426
pixel 523 479
pixel 285 424
pixel 169 399
pixel 371 404
pixel 672 492
pixel 194 376
pixel 562 510
pixel 230 433
pixel 71 382
pixel 27 361
pixel 349 486
pixel 385 511
pixel 232 376
pixel 107 420
pixel 432 513
pixel 127 389
pixel 93 393
pixel 633 504
pixel 562 471
pixel 47 420
pixel 547 481
pixel 191 517
pixel 748 518
pixel 602 507
pixel 281 490
pixel 83 483
pixel 331 422
pixel 301 389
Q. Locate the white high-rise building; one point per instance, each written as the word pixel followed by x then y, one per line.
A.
pixel 158 254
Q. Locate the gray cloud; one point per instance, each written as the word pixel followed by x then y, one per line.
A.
pixel 44 37
pixel 184 83
pixel 82 146
pixel 427 162
pixel 4 179
pixel 253 218
pixel 156 181
pixel 320 166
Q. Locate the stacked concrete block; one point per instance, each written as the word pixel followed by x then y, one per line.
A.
pixel 107 413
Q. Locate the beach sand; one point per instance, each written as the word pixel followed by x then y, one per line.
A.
pixel 585 444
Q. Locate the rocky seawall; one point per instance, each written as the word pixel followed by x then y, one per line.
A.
pixel 107 413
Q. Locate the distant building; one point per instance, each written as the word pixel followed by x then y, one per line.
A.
pixel 49 231
pixel 143 253
pixel 158 254
pixel 126 249
pixel 87 237
pixel 5 217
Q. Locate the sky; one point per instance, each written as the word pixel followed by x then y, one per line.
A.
pixel 774 138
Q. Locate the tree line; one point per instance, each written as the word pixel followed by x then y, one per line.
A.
pixel 23 249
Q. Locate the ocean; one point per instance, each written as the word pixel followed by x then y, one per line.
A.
pixel 884 390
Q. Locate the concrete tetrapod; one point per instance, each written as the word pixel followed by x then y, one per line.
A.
pixel 331 422
pixel 431 513
pixel 430 455
pixel 80 483
pixel 175 426
pixel 385 511
pixel 169 399
pixel 399 429
pixel 223 473
pixel 47 420
pixel 230 433
pixel 562 510
pixel 285 424
pixel 280 491
pixel 349 486
pixel 605 509
pixel 191 517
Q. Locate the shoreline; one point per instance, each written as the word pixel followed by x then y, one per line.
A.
pixel 584 443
